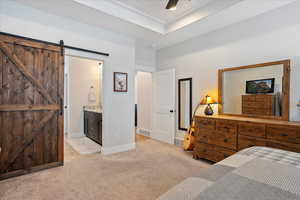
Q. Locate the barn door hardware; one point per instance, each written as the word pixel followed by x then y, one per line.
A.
pixel 61 112
pixel 62 46
pixel 55 44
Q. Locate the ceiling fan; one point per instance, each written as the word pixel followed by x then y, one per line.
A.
pixel 172 5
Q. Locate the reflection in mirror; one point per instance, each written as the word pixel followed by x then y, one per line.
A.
pixel 253 91
pixel 184 103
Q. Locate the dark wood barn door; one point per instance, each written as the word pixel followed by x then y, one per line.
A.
pixel 31 118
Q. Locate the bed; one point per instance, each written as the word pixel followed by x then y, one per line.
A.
pixel 256 173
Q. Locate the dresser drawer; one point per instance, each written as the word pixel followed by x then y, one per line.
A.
pixel 263 98
pixel 258 111
pixel 250 104
pixel 283 133
pixel 203 123
pixel 252 129
pixel 222 139
pixel 211 152
pixel 284 145
pixel 248 98
pixel 246 142
pixel 226 126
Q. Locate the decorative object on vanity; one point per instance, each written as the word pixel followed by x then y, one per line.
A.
pixel 260 90
pixel 208 100
pixel 92 95
pixel 220 136
pixel 298 104
pixel 185 103
pixel 120 82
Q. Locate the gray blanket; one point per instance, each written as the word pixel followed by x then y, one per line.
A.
pixel 257 173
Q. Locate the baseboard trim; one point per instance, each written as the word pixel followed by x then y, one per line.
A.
pixel 117 149
pixel 178 141
pixel 144 132
pixel 75 135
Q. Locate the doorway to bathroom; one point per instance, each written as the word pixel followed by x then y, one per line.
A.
pixel 83 106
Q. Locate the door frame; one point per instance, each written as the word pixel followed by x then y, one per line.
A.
pixel 90 56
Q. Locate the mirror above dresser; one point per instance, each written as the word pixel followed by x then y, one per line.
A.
pixel 259 91
pixel 253 111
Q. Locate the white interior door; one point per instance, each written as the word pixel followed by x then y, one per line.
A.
pixel 164 106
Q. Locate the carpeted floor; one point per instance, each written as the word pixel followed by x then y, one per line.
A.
pixel 142 174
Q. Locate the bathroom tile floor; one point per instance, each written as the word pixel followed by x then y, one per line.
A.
pixel 84 145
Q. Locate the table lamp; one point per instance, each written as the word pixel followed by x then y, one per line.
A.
pixel 207 100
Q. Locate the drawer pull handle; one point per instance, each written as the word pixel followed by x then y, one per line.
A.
pixel 284 135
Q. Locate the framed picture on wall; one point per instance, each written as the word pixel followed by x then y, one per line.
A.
pixel 120 82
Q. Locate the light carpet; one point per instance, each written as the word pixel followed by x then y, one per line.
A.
pixel 141 174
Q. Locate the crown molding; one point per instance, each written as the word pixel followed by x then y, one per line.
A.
pixel 137 17
pixel 123 12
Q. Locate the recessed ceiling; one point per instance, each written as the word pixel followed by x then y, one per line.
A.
pixel 151 14
pixel 150 24
pixel 156 8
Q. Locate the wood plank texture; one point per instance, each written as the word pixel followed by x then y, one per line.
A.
pixel 28 107
pixel 217 136
pixel 27 43
pixel 26 142
pixel 31 88
pixel 23 69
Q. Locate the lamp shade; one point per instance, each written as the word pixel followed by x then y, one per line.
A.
pixel 207 100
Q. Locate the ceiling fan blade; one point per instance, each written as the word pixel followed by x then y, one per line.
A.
pixel 172 4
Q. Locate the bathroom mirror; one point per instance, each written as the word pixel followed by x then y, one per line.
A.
pixel 260 90
pixel 184 103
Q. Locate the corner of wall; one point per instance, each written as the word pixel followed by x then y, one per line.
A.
pixel 117 149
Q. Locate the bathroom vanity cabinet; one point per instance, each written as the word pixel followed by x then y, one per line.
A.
pixel 93 126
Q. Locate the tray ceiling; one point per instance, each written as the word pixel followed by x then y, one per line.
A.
pixel 149 24
pixel 156 8
pixel 151 14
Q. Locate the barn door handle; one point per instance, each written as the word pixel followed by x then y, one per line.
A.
pixel 61 106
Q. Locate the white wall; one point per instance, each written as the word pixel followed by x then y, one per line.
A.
pixel 83 74
pixel 144 101
pixel 269 37
pixel 118 108
pixel 234 85
pixel 145 58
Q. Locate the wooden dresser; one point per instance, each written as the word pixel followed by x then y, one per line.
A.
pixel 221 136
pixel 258 104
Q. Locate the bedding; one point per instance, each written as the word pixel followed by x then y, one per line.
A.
pixel 256 173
